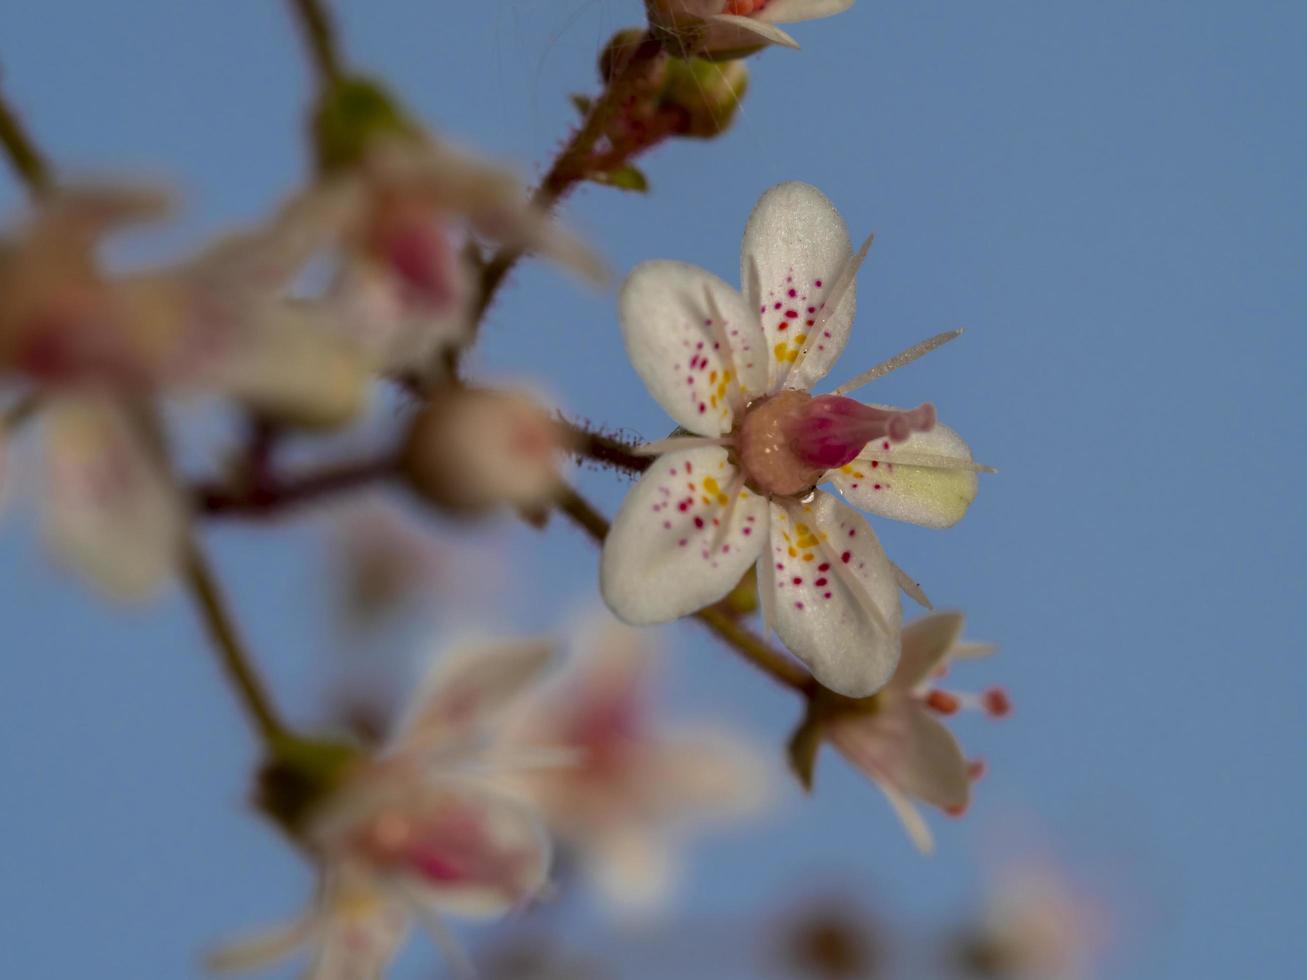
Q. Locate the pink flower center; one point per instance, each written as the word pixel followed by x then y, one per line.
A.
pixel 416 249
pixel 788 441
pixel 831 430
pixel 744 8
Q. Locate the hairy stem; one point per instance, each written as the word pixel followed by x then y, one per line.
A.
pixel 571 165
pixel 320 39
pixel 603 449
pixel 737 636
pixel 274 493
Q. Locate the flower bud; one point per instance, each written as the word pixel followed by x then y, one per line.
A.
pixel 472 450
pixel 708 92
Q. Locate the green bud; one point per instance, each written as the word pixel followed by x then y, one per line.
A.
pixel 708 92
pixel 349 117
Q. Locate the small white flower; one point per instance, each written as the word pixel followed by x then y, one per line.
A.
pixel 1037 924
pixel 634 789
pixel 734 371
pixel 899 744
pixel 733 28
pixel 96 345
pixel 406 287
pixel 422 830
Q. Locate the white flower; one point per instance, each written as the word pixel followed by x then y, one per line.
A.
pixel 422 830
pixel 898 743
pixel 733 28
pixel 634 790
pixel 1037 925
pixel 406 287
pixel 734 370
pixel 96 345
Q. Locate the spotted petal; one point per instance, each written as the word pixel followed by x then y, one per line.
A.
pixel 694 342
pixel 111 508
pixel 834 597
pixel 795 248
pixel 682 539
pixel 929 480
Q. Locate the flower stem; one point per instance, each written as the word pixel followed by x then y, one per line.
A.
pixel 26 159
pixel 602 449
pixel 232 655
pixel 737 636
pixel 320 39
pixel 570 167
pixel 277 493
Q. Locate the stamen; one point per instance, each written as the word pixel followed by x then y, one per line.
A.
pixel 943 702
pixel 676 443
pixel 929 461
pixel 911 587
pixel 898 361
pixel 996 703
pixel 976 770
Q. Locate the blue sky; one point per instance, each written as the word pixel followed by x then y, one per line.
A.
pixel 1110 197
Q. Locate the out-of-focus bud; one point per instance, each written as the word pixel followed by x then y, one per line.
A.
pixel 351 116
pixel 472 450
pixel 708 92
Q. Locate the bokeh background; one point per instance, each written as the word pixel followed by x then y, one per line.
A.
pixel 1109 196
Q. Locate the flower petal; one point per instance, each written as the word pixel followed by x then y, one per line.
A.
pixel 633 867
pixel 731 34
pixel 489 195
pixel 111 508
pixel 362 930
pixel 926 644
pixel 694 342
pixel 289 361
pixel 469 688
pixel 791 11
pixel 394 332
pixel 474 852
pixel 795 247
pixel 835 597
pixel 706 773
pixel 911 818
pixel 683 538
pixel 904 745
pixel 929 479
